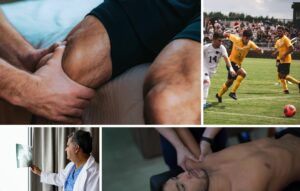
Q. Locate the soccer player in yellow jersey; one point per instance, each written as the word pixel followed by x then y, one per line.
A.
pixel 240 49
pixel 284 49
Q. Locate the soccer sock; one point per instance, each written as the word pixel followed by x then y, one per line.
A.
pixel 222 90
pixel 292 79
pixel 284 84
pixel 237 83
pixel 205 91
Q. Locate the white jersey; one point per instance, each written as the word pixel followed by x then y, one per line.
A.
pixel 211 58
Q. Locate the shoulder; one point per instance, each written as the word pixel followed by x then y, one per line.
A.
pixel 222 47
pixel 206 46
pixel 286 39
pixel 234 37
pixel 223 50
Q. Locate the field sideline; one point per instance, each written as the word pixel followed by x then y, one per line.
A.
pixel 260 101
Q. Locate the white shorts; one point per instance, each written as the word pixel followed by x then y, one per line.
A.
pixel 207 73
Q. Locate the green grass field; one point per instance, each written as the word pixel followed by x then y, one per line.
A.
pixel 260 101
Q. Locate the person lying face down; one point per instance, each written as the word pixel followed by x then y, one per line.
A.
pixel 263 165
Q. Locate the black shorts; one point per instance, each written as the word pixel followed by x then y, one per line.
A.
pixel 140 29
pixel 292 131
pixel 235 68
pixel 284 68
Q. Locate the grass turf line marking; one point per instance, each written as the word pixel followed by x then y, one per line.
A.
pixel 249 115
pixel 265 98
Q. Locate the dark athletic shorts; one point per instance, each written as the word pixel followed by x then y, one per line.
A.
pixel 140 29
pixel 235 68
pixel 292 131
pixel 284 68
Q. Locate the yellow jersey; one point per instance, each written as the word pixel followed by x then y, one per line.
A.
pixel 282 45
pixel 239 50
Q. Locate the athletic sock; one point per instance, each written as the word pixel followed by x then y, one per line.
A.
pixel 205 91
pixel 292 79
pixel 284 84
pixel 237 83
pixel 222 90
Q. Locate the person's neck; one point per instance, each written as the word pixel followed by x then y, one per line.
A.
pixel 81 160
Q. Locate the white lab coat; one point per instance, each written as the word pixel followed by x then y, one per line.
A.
pixel 87 180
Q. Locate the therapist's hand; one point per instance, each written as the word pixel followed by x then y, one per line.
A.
pixel 36 170
pixel 54 95
pixel 205 148
pixel 183 154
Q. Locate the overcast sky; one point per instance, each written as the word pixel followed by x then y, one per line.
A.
pixel 280 9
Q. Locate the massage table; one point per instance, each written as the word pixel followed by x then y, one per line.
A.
pixel 157 181
pixel 44 22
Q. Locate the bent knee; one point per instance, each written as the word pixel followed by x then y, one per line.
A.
pixel 159 103
pixel 87 56
pixel 171 105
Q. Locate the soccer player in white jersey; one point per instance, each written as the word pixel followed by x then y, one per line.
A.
pixel 212 54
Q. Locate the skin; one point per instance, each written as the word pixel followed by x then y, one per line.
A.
pixel 172 85
pixel 186 146
pixel 262 165
pixel 74 154
pixel 47 92
pixel 175 70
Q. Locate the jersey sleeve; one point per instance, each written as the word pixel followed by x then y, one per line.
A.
pixel 233 38
pixel 224 51
pixel 253 45
pixel 287 42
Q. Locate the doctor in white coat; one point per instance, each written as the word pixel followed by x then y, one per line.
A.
pixel 82 174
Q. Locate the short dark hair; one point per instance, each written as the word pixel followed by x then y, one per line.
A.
pixel 217 35
pixel 83 139
pixel 280 27
pixel 247 33
pixel 204 186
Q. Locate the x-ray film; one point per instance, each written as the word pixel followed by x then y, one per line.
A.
pixel 24 155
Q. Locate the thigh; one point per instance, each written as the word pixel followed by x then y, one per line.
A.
pixel 87 55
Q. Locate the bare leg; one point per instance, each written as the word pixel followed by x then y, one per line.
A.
pixel 87 57
pixel 172 86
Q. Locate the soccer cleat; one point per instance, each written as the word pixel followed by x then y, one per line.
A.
pixel 232 95
pixel 286 92
pixel 207 105
pixel 299 87
pixel 219 98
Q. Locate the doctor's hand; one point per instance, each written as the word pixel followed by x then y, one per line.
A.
pixel 54 95
pixel 205 149
pixel 36 170
pixel 183 155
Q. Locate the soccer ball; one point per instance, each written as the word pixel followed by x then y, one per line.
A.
pixel 289 110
